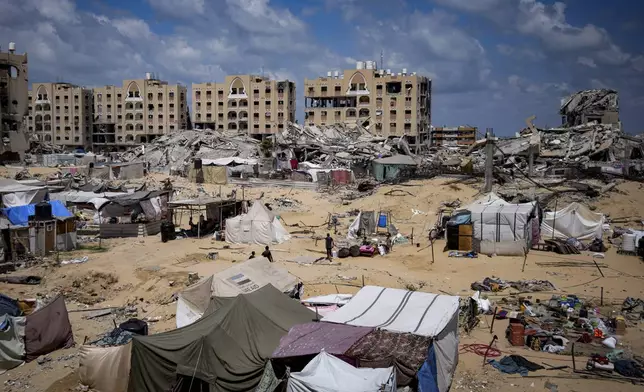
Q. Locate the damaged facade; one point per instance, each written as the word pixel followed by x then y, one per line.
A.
pixel 14 103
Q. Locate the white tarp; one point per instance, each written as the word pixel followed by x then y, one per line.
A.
pixel 370 220
pixel 241 278
pixel 258 226
pixel 502 222
pixel 574 221
pixel 105 369
pixel 397 310
pixel 83 196
pixel 326 373
pixel 228 161
pixel 330 299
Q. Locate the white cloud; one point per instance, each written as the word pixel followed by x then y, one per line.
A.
pixel 638 63
pixel 181 8
pixel 588 62
pixel 61 11
pixel 134 29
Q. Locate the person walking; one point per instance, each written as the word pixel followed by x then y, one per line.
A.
pixel 329 246
pixel 267 253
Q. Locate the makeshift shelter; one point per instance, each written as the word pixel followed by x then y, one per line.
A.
pixel 574 221
pixel 326 373
pixel 424 314
pixel 226 350
pixel 209 175
pixel 393 167
pixel 215 211
pixel 242 278
pixel 105 369
pixel 16 193
pixel 503 228
pixel 12 342
pixel 118 171
pixel 365 223
pixel 152 204
pixel 48 329
pixel 258 226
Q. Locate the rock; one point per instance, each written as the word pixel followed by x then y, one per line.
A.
pixel 43 360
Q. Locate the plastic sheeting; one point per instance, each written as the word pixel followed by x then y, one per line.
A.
pixel 325 373
pixel 19 216
pixel 258 226
pixel 105 369
pixel 229 160
pixel 397 310
pixel 573 221
pixel 364 222
pixel 18 199
pixel 502 222
pixel 311 338
pixel 12 342
pixel 48 329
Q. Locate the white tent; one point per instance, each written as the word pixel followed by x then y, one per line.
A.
pixel 241 278
pixel 573 221
pixel 414 312
pixel 503 228
pixel 258 226
pixel 326 373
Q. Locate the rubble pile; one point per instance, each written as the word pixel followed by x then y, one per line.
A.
pixel 580 107
pixel 175 152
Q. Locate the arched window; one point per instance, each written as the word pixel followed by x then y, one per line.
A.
pixel 363 112
pixel 232 125
pixel 357 84
pixel 129 138
pixel 232 115
pixel 237 88
pixel 133 91
pixel 364 100
pixel 42 94
pixel 351 112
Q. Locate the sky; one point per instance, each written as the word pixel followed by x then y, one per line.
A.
pixel 493 63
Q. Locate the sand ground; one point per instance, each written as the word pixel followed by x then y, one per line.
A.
pixel 146 273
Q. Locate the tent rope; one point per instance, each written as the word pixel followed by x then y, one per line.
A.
pixel 194 372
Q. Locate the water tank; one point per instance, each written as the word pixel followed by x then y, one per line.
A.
pixel 404 72
pixel 42 211
pixel 12 47
pixel 328 74
pixel 360 65
pixel 148 75
pixel 198 163
pixel 370 65
pixel 335 74
pixel 628 242
pixel 388 72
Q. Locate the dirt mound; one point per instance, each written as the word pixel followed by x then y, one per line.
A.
pixel 91 288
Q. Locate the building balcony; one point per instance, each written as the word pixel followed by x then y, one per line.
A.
pixel 280 95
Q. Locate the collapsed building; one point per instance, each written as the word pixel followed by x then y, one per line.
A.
pixel 14 104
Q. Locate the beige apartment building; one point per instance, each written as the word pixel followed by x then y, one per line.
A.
pixel 61 114
pixel 247 103
pixel 462 137
pixel 389 103
pixel 138 111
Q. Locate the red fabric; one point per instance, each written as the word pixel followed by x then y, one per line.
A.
pixel 293 164
pixel 341 176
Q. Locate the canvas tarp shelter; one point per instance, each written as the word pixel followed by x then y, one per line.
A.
pixel 229 161
pixel 227 349
pixel 326 373
pixel 508 225
pixel 15 194
pixel 389 168
pixel 258 226
pixel 241 278
pixel 209 175
pixel 12 342
pixel 365 223
pixel 574 221
pixel 105 369
pixel 403 311
pixel 48 329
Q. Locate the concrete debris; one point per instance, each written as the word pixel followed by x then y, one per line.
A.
pixel 590 105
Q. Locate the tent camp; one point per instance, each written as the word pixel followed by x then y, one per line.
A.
pixel 48 329
pixel 413 312
pixel 242 278
pixel 326 373
pixel 224 351
pixel 365 223
pixel 574 221
pixel 258 226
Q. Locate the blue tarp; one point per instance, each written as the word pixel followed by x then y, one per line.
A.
pixel 19 216
pixel 428 375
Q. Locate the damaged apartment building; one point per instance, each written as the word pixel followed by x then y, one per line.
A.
pixel 14 103
pixel 249 104
pixel 590 141
pixel 386 103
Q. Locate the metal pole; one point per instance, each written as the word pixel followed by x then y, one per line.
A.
pixel 554 219
pixel 432 243
pixel 489 161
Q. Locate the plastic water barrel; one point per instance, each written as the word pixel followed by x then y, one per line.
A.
pixel 628 242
